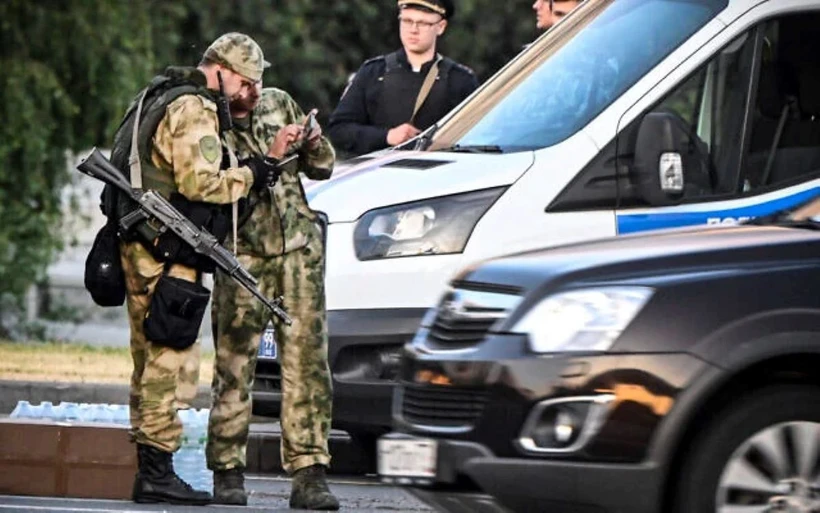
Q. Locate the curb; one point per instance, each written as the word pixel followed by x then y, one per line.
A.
pixel 264 440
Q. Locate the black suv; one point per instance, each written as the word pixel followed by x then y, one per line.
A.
pixel 666 372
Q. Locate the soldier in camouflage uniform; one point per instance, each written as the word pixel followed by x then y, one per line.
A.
pixel 184 159
pixel 281 244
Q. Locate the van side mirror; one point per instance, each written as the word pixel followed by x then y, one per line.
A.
pixel 669 161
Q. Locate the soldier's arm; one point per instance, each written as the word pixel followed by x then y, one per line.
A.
pixel 187 139
pixel 350 127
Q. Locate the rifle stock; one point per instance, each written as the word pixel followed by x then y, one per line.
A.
pixel 156 207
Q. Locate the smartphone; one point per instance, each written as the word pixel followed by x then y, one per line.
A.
pixel 310 121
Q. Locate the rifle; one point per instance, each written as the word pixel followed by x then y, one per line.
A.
pixel 153 205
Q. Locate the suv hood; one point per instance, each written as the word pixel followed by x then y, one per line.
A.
pixel 394 177
pixel 647 254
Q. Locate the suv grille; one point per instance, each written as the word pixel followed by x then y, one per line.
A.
pixel 441 407
pixel 464 316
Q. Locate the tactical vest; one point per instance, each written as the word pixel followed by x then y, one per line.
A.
pixel 161 92
pixel 400 89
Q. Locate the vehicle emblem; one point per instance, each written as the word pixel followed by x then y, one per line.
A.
pixel 451 309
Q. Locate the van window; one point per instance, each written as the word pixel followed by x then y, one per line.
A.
pixel 784 144
pixel 730 145
pixel 579 75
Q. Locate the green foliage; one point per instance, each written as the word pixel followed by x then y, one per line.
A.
pixel 70 68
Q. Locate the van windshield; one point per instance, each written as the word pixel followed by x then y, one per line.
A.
pixel 572 75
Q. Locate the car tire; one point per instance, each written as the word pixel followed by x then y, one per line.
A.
pixel 763 431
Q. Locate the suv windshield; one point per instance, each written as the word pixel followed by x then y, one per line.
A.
pixel 572 75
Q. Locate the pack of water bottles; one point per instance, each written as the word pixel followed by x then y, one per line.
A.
pixel 189 460
pixel 72 412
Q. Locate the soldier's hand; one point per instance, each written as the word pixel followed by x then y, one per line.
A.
pixel 401 134
pixel 285 137
pixel 314 138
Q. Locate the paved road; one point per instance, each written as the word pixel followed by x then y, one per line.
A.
pixel 267 494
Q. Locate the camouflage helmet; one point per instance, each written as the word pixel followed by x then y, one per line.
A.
pixel 239 53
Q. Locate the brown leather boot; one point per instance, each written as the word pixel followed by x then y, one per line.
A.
pixel 229 487
pixel 309 490
pixel 156 480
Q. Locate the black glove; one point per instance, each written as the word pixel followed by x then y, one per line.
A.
pixel 266 171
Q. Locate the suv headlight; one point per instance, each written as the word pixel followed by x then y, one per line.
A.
pixel 435 226
pixel 582 320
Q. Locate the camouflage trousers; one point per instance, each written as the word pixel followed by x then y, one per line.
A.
pixel 164 380
pixel 239 321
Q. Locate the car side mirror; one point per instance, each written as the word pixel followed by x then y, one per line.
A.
pixel 669 161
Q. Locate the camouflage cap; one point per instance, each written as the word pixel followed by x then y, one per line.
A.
pixel 239 53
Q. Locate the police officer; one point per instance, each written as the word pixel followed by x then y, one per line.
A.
pixel 175 125
pixel 379 107
pixel 550 12
pixel 281 244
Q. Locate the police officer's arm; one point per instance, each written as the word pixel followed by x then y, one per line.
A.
pixel 350 126
pixel 187 140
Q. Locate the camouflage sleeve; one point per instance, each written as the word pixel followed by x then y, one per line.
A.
pixel 188 140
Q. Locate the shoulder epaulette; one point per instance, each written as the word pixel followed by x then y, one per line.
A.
pixel 373 59
pixel 464 68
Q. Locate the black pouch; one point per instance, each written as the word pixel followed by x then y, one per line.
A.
pixel 176 311
pixel 104 278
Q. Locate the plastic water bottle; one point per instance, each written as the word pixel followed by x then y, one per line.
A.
pixel 71 412
pixel 121 414
pixel 23 410
pixel 189 460
pixel 46 410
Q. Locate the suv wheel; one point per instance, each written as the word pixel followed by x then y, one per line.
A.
pixel 761 454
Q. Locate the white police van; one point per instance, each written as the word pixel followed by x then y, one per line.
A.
pixel 629 115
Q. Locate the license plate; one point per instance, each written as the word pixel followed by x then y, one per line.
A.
pixel 267 345
pixel 411 457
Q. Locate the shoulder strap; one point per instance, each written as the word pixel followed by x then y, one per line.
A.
pixel 429 80
pixel 134 158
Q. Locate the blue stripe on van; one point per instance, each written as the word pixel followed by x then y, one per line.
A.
pixel 675 217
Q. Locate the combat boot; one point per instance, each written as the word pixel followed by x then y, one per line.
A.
pixel 229 487
pixel 156 480
pixel 309 490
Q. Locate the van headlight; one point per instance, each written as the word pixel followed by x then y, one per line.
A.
pixel 435 226
pixel 582 320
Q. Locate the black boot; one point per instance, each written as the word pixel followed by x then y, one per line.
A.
pixel 309 490
pixel 156 480
pixel 229 487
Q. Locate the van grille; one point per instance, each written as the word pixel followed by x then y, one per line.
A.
pixel 442 406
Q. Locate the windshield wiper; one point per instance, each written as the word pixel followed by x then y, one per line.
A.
pixel 475 148
pixel 425 138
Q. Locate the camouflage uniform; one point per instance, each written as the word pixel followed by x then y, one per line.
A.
pixel 281 244
pixel 186 146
